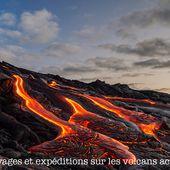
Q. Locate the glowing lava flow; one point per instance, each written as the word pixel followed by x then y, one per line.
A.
pixel 140 101
pixel 68 143
pixel 102 124
pixel 78 110
pixel 91 120
pixel 132 116
pixel 53 84
pixel 35 107
pixel 131 100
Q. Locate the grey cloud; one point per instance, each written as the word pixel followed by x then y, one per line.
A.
pixel 62 49
pixel 80 72
pixel 141 20
pixel 146 17
pixel 50 69
pixel 86 31
pixel 136 74
pixel 109 63
pixel 163 65
pixel 147 63
pixel 18 56
pixel 69 70
pixel 80 69
pixel 7 19
pixel 10 33
pixel 164 4
pixel 154 47
pixel 93 33
pixel 10 52
pixel 153 63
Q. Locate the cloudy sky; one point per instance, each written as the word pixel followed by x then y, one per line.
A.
pixel 118 41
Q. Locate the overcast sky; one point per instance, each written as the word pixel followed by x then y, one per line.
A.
pixel 118 41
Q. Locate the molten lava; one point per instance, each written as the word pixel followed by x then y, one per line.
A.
pixel 91 120
pixel 74 141
pixel 131 100
pixel 37 108
pixel 135 117
pixel 102 124
pixel 140 101
pixel 78 110
pixel 132 116
pixel 54 85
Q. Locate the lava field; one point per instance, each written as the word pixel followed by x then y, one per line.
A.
pixel 45 116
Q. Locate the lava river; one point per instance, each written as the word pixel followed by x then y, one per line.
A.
pixel 147 123
pixel 102 124
pixel 131 100
pixel 53 84
pixel 73 140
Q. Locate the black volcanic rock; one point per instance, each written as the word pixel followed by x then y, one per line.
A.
pixel 122 90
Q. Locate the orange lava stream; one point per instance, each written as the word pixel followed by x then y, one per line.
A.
pixel 125 114
pixel 37 108
pixel 131 100
pixel 121 112
pixel 53 85
pixel 66 127
pixel 78 109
